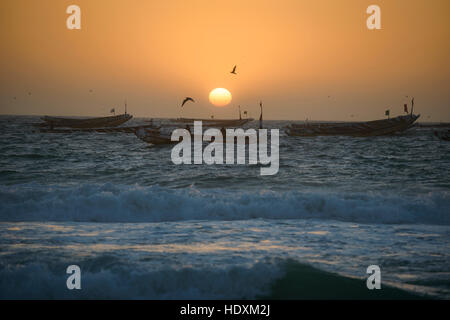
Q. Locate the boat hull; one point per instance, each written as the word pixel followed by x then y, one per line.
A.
pixel 354 129
pixel 133 129
pixel 112 121
pixel 153 136
pixel 443 135
pixel 215 122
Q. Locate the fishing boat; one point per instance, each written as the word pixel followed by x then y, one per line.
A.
pixel 162 135
pixel 435 125
pixel 153 135
pixel 128 129
pixel 102 122
pixel 215 122
pixel 443 135
pixel 355 129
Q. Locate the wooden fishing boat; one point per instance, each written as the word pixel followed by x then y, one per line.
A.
pixel 129 129
pixel 153 135
pixel 355 129
pixel 215 122
pixel 161 135
pixel 102 122
pixel 443 135
pixel 438 125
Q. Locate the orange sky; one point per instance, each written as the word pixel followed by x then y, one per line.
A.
pixel 291 54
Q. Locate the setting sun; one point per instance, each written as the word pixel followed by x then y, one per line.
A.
pixel 220 97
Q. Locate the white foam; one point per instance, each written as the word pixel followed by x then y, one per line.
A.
pixel 114 203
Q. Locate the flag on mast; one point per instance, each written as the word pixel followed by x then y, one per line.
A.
pixel 387 113
pixel 405 107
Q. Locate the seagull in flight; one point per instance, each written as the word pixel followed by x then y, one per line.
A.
pixel 234 70
pixel 186 100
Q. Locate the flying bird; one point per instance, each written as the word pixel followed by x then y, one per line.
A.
pixel 186 100
pixel 234 70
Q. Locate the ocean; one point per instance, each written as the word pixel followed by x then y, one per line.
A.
pixel 141 227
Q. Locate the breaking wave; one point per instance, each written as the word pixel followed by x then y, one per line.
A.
pixel 265 279
pixel 114 203
pixel 41 281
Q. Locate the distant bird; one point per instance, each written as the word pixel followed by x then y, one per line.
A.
pixel 186 100
pixel 329 96
pixel 234 70
pixel 90 90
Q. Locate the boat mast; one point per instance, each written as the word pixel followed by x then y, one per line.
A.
pixel 125 106
pixel 260 117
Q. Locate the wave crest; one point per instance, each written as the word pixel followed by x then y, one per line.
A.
pixel 113 203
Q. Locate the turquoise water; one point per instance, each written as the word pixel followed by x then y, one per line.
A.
pixel 142 227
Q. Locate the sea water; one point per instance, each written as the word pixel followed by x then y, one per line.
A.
pixel 140 226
